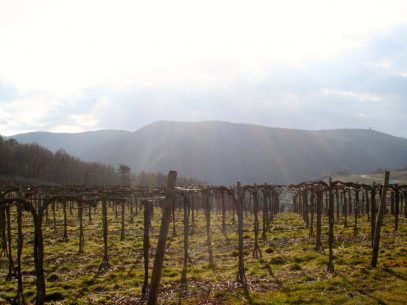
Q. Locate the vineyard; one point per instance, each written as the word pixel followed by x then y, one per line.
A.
pixel 315 242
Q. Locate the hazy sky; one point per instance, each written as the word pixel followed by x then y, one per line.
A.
pixel 86 65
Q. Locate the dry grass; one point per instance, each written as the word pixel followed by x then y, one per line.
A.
pixel 290 272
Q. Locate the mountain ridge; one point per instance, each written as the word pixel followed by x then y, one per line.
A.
pixel 223 152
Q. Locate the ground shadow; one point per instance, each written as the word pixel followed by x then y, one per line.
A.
pixel 247 295
pixel 271 272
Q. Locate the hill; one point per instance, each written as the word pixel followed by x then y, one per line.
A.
pixel 221 152
pixel 396 177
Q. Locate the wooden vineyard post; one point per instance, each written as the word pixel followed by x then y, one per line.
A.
pixel 104 266
pixel 54 220
pixel 3 231
pixel 174 229
pixel 276 202
pixel 233 211
pixel 405 203
pixel 326 202
pixel 11 269
pixel 241 277
pixel 186 229
pixel 299 202
pixel 207 207
pixel 186 240
pixel 39 255
pixel 146 244
pixel 295 204
pixel 256 251
pixel 20 295
pixel 379 222
pixel 345 209
pixel 122 220
pixel 271 205
pixel 266 219
pixel 367 204
pixel 373 211
pixel 222 196
pixel 318 245
pixel 65 239
pixel 137 206
pixel 305 205
pixel 397 208
pixel 356 213
pixel 311 204
pixel 131 209
pixel 40 197
pixel 70 208
pixel 162 239
pixel 244 203
pixel 81 237
pixel 46 216
pixel 337 205
pixel 331 226
pixel 90 215
pixel 392 203
pixel 192 208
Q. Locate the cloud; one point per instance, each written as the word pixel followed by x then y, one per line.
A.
pixel 358 96
pixel 122 65
pixel 75 45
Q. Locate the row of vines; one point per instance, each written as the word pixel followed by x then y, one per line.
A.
pixel 335 202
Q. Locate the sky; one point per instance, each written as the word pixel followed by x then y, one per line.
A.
pixel 71 66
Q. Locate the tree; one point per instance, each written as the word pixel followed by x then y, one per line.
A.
pixel 125 174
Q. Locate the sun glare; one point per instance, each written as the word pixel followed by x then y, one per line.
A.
pixel 74 45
